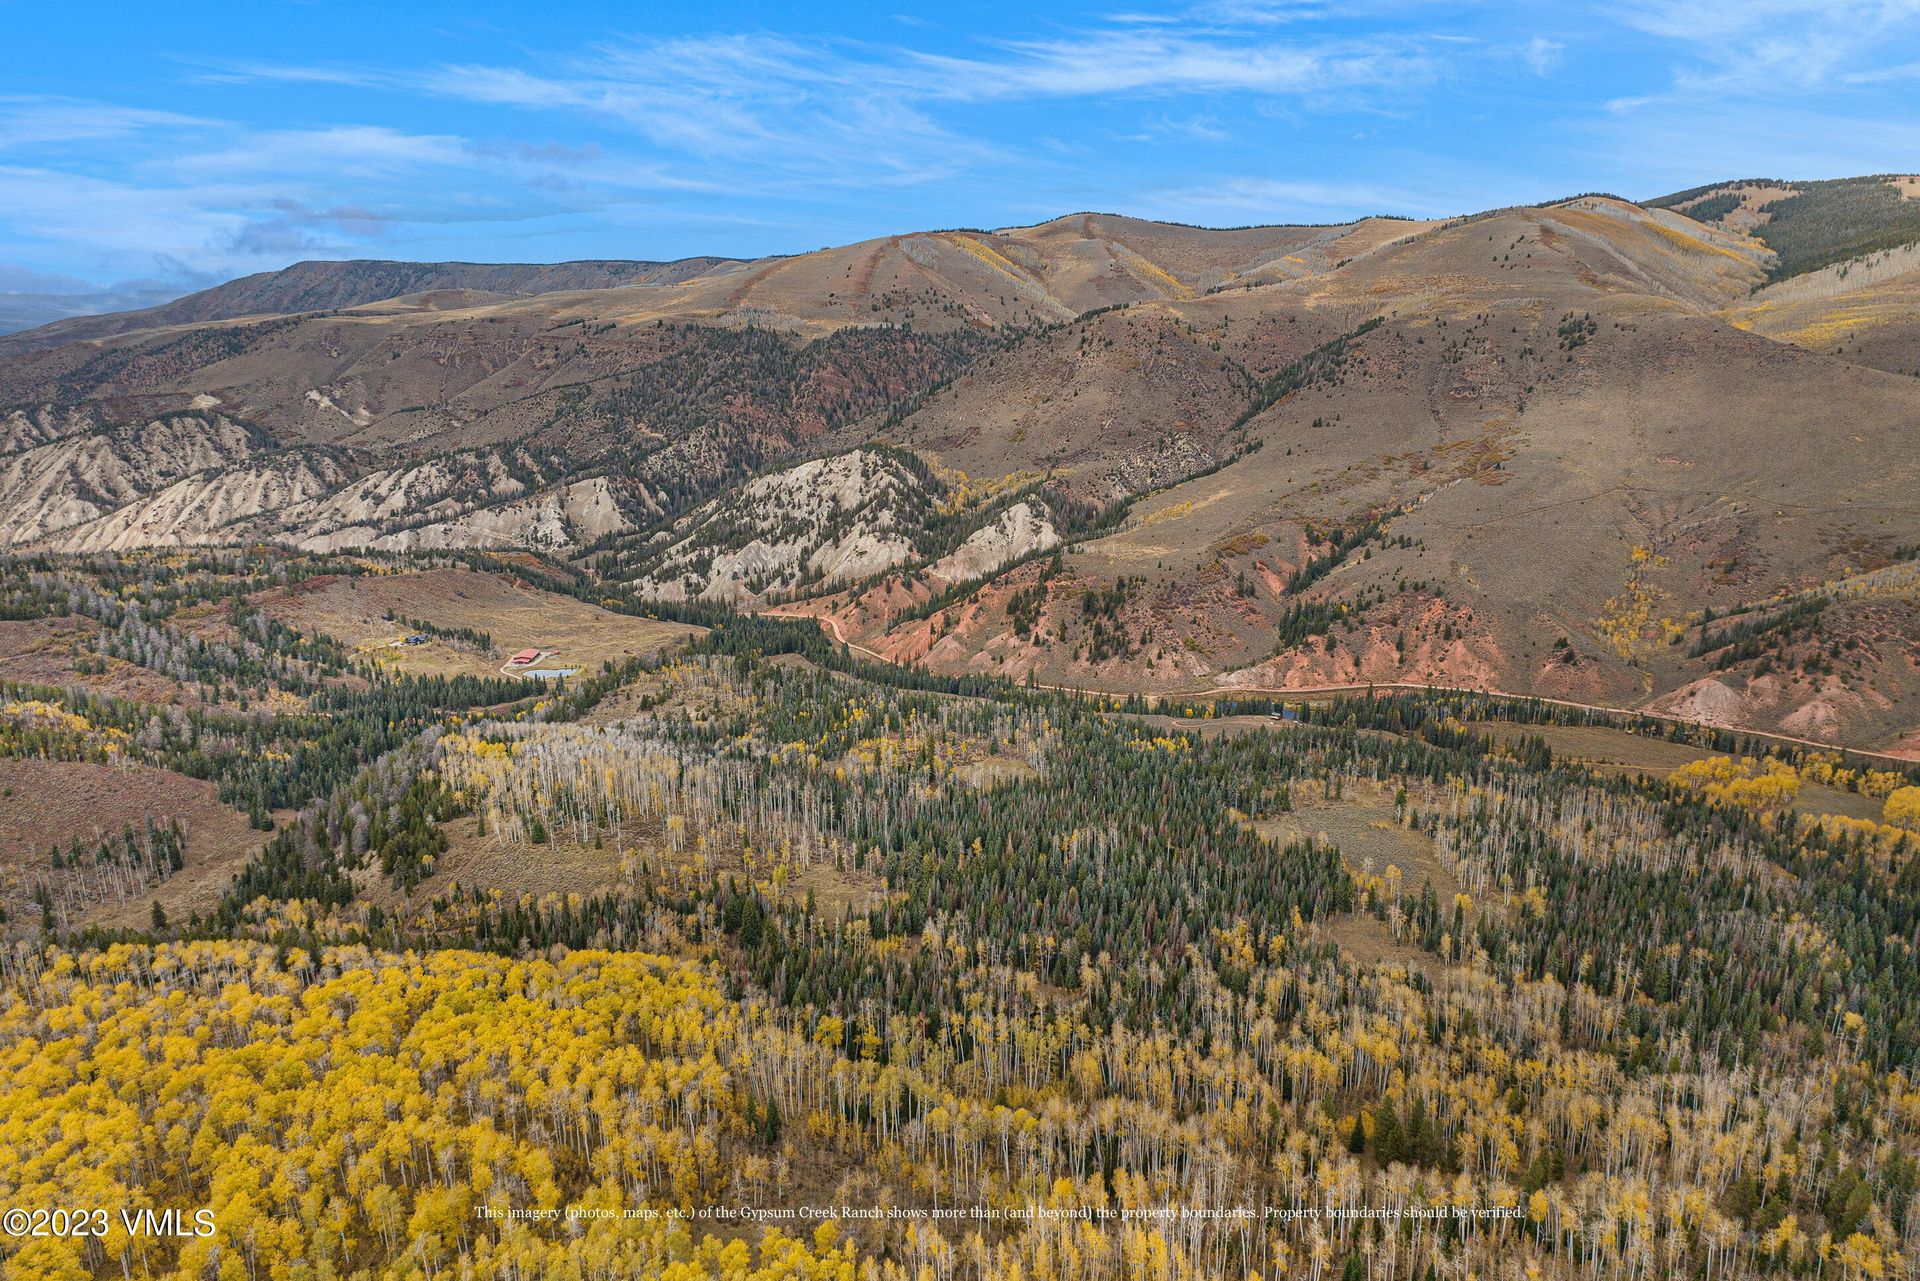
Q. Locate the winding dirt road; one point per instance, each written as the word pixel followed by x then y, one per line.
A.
pixel 832 626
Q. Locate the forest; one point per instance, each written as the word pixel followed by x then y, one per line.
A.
pixel 752 959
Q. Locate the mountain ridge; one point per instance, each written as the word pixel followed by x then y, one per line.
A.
pixel 1110 453
pixel 325 284
pixel 330 284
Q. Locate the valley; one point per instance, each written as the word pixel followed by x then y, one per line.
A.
pixel 1100 749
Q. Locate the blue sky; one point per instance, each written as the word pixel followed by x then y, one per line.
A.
pixel 188 142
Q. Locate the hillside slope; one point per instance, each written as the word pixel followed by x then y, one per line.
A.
pixel 1558 450
pixel 1865 309
pixel 659 393
pixel 1810 225
pixel 1530 456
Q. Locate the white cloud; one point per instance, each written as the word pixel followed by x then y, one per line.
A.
pixel 27 121
pixel 1884 75
pixel 1714 21
pixel 1259 12
pixel 1158 62
pixel 1397 104
pixel 1197 128
pixel 840 105
pixel 1542 55
pixel 216 196
pixel 358 151
pixel 1282 200
pixel 113 217
pixel 1767 46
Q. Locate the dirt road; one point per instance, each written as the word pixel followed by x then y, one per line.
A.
pixel 832 626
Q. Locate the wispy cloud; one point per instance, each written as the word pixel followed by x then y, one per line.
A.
pixel 1258 12
pixel 1166 62
pixel 1768 87
pixel 1712 21
pixel 168 193
pixel 1198 128
pixel 292 229
pixel 1253 199
pixel 27 121
pixel 343 151
pixel 1770 45
pixel 702 136
pixel 823 101
pixel 116 219
pixel 1542 55
pixel 1884 75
